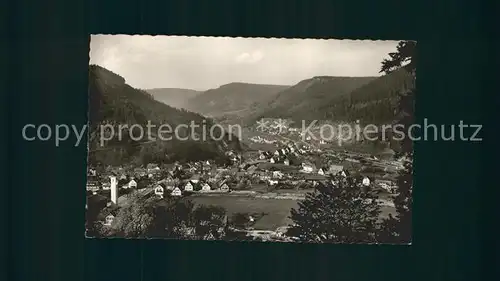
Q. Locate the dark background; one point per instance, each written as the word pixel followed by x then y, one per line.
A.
pixel 47 59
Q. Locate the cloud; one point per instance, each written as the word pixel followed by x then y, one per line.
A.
pixel 254 57
pixel 204 63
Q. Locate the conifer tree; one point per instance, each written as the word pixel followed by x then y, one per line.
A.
pixel 398 229
pixel 340 211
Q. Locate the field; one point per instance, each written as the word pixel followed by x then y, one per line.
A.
pixel 276 210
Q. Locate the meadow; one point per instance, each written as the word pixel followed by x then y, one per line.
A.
pixel 276 211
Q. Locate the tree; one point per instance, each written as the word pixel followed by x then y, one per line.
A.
pixel 344 212
pixel 137 219
pixel 152 217
pixel 209 222
pixel 240 220
pixel 397 229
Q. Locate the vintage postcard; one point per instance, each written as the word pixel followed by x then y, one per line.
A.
pixel 250 139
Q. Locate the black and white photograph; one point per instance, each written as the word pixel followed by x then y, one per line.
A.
pixel 250 139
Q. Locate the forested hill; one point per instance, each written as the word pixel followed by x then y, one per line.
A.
pixel 304 98
pixel 112 101
pixel 368 99
pixel 172 96
pixel 231 97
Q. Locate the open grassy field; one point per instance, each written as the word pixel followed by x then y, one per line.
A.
pixel 276 211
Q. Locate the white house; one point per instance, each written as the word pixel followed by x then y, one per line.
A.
pixel 321 172
pixel 132 184
pixel 188 187
pixel 205 187
pixel 262 156
pixel 306 168
pixel 286 162
pixel 277 153
pixel 176 192
pixel 109 220
pixel 106 186
pixel 272 160
pixel 159 191
pixel 273 182
pixel 366 181
pixel 224 187
pixel 277 174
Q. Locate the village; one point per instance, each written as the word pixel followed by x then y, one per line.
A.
pixel 274 179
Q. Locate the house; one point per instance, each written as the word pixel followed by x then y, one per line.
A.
pixel 262 156
pixel 251 169
pixel 277 174
pixel 307 168
pixel 159 191
pixel 151 168
pixel 366 181
pixel 132 184
pixel 264 176
pixel 188 186
pixel 109 220
pixel 195 179
pixel 272 160
pixel 92 183
pixel 176 192
pixel 205 187
pixel 335 169
pixel 277 153
pixel 106 186
pixel 321 172
pixel 286 161
pixel 273 182
pixel 224 187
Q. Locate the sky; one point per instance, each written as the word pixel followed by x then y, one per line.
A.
pixel 202 63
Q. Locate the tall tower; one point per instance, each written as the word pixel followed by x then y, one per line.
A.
pixel 114 190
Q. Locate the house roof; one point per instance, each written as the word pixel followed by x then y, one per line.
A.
pixel 221 182
pixel 252 169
